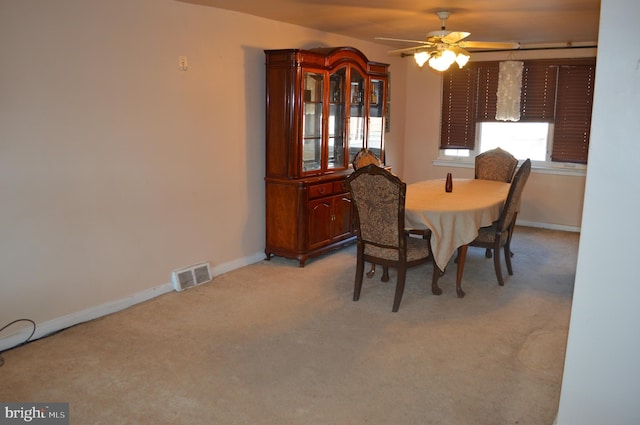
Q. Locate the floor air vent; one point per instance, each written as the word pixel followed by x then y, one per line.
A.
pixel 191 276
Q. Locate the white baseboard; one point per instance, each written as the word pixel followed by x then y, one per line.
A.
pixel 60 323
pixel 57 324
pixel 548 226
pixel 236 264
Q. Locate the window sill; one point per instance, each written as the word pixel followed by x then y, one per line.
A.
pixel 563 168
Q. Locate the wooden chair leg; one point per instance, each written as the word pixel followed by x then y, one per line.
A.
pixel 385 274
pixel 357 287
pixel 496 265
pixel 507 258
pixel 371 272
pixel 513 225
pixel 402 272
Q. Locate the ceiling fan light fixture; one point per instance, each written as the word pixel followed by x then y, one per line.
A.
pixel 462 56
pixel 442 60
pixel 462 59
pixel 421 58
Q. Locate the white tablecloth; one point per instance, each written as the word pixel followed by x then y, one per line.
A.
pixel 455 217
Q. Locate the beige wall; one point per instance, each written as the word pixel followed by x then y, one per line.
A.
pixel 116 167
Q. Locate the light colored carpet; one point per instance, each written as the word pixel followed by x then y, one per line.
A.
pixel 276 344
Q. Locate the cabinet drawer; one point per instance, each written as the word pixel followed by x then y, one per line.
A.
pixel 317 190
pixel 340 187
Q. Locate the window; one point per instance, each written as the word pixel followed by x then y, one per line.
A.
pixel 555 109
pixel 522 140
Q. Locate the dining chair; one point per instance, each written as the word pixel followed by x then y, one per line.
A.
pixel 379 200
pixel 363 158
pixel 495 164
pixel 498 235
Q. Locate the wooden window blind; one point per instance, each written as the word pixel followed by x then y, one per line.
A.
pixel 558 91
pixel 458 125
pixel 538 92
pixel 488 73
pixel 574 102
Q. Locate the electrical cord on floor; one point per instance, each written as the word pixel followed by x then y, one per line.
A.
pixel 25 341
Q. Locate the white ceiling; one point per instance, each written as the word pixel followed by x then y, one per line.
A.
pixel 524 21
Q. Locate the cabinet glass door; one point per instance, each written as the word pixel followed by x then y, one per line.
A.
pixel 335 126
pixel 356 113
pixel 376 117
pixel 312 121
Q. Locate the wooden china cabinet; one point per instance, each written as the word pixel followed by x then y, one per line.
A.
pixel 323 105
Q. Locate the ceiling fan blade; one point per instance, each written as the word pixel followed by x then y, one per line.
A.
pixel 459 50
pixel 428 47
pixel 402 40
pixel 488 45
pixel 454 37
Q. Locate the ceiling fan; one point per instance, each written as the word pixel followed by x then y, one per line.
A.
pixel 442 48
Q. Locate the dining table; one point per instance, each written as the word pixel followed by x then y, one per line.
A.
pixel 454 217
